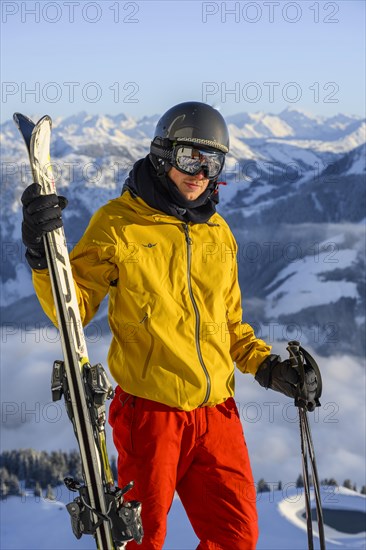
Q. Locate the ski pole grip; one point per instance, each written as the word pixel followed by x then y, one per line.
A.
pixel 293 348
pixel 297 362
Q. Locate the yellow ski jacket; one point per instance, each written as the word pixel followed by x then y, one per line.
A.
pixel 174 302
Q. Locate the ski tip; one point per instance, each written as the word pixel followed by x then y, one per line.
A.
pixel 45 118
pixel 23 123
pixel 18 118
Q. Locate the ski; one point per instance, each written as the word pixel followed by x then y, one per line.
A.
pixel 100 508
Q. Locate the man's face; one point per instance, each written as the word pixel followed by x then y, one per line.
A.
pixel 191 187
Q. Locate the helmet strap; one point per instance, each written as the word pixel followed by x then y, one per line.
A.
pixel 162 148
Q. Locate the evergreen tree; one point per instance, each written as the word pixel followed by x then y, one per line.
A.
pixel 347 483
pixel 262 486
pixel 13 485
pixel 37 492
pixel 331 481
pixel 300 481
pixel 58 466
pixel 363 490
pixel 74 465
pixel 3 490
pixel 4 478
pixel 31 466
pixel 50 495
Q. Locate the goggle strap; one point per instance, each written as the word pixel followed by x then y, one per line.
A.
pixel 205 142
pixel 160 151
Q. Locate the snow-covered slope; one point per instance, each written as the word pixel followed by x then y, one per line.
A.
pixel 45 524
pixel 290 174
pixel 305 283
pixel 296 202
pixel 293 123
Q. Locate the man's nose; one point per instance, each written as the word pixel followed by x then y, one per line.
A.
pixel 201 175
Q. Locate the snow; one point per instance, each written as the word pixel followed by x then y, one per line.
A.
pixel 33 523
pixel 238 147
pixel 259 125
pixel 269 419
pixel 293 123
pixel 335 498
pixel 31 420
pixel 298 113
pixel 45 524
pixel 341 145
pixel 316 202
pixel 300 283
pixel 290 153
pixel 270 424
pixel 276 126
pixel 358 165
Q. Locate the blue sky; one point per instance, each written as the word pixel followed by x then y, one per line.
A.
pixel 141 57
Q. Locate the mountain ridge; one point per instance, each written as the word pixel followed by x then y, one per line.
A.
pixel 284 193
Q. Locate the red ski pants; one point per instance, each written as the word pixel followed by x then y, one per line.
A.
pixel 202 455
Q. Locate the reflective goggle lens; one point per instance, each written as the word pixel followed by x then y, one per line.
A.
pixel 191 161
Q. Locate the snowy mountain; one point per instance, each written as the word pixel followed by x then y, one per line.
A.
pixel 295 198
pixel 294 123
pixel 46 524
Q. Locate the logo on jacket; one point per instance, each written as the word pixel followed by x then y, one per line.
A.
pixel 149 245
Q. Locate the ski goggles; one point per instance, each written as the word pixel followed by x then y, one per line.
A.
pixel 190 160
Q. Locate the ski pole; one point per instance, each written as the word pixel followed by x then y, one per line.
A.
pixel 314 469
pixel 301 359
pixel 305 471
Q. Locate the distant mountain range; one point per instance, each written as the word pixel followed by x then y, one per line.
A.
pixel 295 198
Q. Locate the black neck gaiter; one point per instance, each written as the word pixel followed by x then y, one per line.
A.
pixel 160 193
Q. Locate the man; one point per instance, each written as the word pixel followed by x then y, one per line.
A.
pixel 168 261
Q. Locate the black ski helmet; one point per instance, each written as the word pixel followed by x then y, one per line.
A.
pixel 193 123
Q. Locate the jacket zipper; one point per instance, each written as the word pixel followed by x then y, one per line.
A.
pixel 197 314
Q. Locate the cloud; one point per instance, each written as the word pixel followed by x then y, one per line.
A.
pixel 338 427
pixel 30 419
pixel 29 416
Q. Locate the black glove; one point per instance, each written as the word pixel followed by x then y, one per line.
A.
pixel 41 214
pixel 283 377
